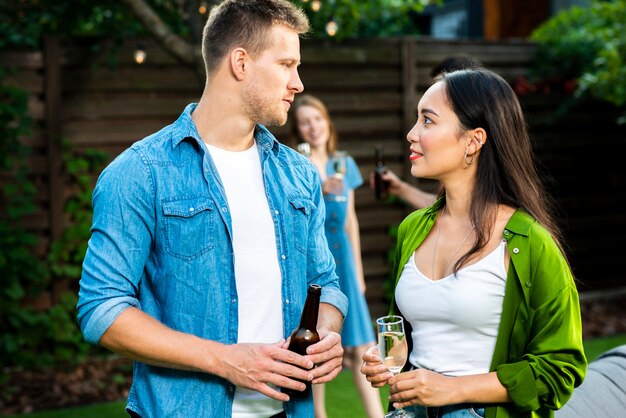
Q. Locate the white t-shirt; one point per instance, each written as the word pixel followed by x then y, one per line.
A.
pixel 455 320
pixel 257 272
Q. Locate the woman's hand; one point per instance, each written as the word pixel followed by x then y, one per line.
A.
pixel 423 387
pixel 333 185
pixel 373 369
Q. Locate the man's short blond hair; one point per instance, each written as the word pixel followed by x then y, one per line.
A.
pixel 245 24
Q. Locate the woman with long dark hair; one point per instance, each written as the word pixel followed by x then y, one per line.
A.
pixel 481 277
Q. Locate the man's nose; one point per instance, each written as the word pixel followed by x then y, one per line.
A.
pixel 295 83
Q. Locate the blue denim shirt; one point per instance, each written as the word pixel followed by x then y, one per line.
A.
pixel 161 241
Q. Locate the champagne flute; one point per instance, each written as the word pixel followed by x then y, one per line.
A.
pixel 304 148
pixel 339 167
pixel 393 351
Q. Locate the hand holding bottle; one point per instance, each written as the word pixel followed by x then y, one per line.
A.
pixel 264 368
pixel 380 186
pixel 327 356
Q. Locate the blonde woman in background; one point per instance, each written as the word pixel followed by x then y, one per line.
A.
pixel 314 127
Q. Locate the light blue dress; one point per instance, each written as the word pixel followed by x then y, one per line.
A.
pixel 357 327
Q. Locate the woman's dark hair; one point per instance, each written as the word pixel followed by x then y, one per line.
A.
pixel 506 171
pixel 455 63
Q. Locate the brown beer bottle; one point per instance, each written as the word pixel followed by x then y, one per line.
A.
pixel 380 185
pixel 306 334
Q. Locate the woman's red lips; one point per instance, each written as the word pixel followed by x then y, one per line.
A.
pixel 415 155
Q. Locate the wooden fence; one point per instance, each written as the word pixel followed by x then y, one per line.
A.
pixel 104 100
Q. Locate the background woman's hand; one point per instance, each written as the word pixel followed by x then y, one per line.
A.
pixel 373 369
pixel 333 185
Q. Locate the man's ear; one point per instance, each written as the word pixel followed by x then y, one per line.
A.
pixel 238 62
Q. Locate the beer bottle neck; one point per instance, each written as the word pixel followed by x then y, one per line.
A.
pixel 310 311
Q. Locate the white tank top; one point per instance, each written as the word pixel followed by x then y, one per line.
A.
pixel 257 272
pixel 455 319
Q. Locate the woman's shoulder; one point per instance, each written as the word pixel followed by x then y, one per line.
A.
pixel 524 224
pixel 532 238
pixel 418 218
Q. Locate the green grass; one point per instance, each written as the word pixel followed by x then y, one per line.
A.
pixel 596 346
pixel 342 399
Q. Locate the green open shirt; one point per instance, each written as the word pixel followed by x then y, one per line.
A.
pixel 539 355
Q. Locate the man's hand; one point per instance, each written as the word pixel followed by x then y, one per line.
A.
pixel 256 366
pixel 327 354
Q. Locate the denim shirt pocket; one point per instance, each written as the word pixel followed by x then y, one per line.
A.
pixel 188 226
pixel 301 208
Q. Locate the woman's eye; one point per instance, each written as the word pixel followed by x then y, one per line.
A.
pixel 427 120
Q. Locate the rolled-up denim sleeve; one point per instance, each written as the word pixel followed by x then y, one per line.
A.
pixel 320 262
pixel 122 233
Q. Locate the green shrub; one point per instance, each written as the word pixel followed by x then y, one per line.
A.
pixel 588 46
pixel 31 337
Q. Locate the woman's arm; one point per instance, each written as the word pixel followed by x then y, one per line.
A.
pixel 410 194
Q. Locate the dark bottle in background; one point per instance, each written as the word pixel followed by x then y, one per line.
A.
pixel 306 334
pixel 380 186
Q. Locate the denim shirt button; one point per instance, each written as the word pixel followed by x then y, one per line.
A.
pixel 234 301
pixel 224 209
pixel 191 209
pixel 283 256
pixel 276 212
pixel 287 301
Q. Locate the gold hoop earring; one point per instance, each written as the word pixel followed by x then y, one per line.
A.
pixel 470 162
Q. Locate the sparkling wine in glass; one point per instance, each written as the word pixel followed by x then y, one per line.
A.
pixel 339 168
pixel 304 148
pixel 393 350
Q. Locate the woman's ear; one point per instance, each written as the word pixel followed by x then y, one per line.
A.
pixel 476 139
pixel 238 62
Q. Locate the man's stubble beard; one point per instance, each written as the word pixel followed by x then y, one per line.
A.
pixel 260 110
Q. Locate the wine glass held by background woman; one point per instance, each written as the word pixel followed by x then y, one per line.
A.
pixel 313 125
pixel 481 276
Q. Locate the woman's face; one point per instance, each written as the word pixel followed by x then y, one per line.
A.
pixel 437 145
pixel 313 126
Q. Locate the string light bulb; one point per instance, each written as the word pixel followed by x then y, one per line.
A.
pixel 140 54
pixel 202 9
pixel 332 27
pixel 316 5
